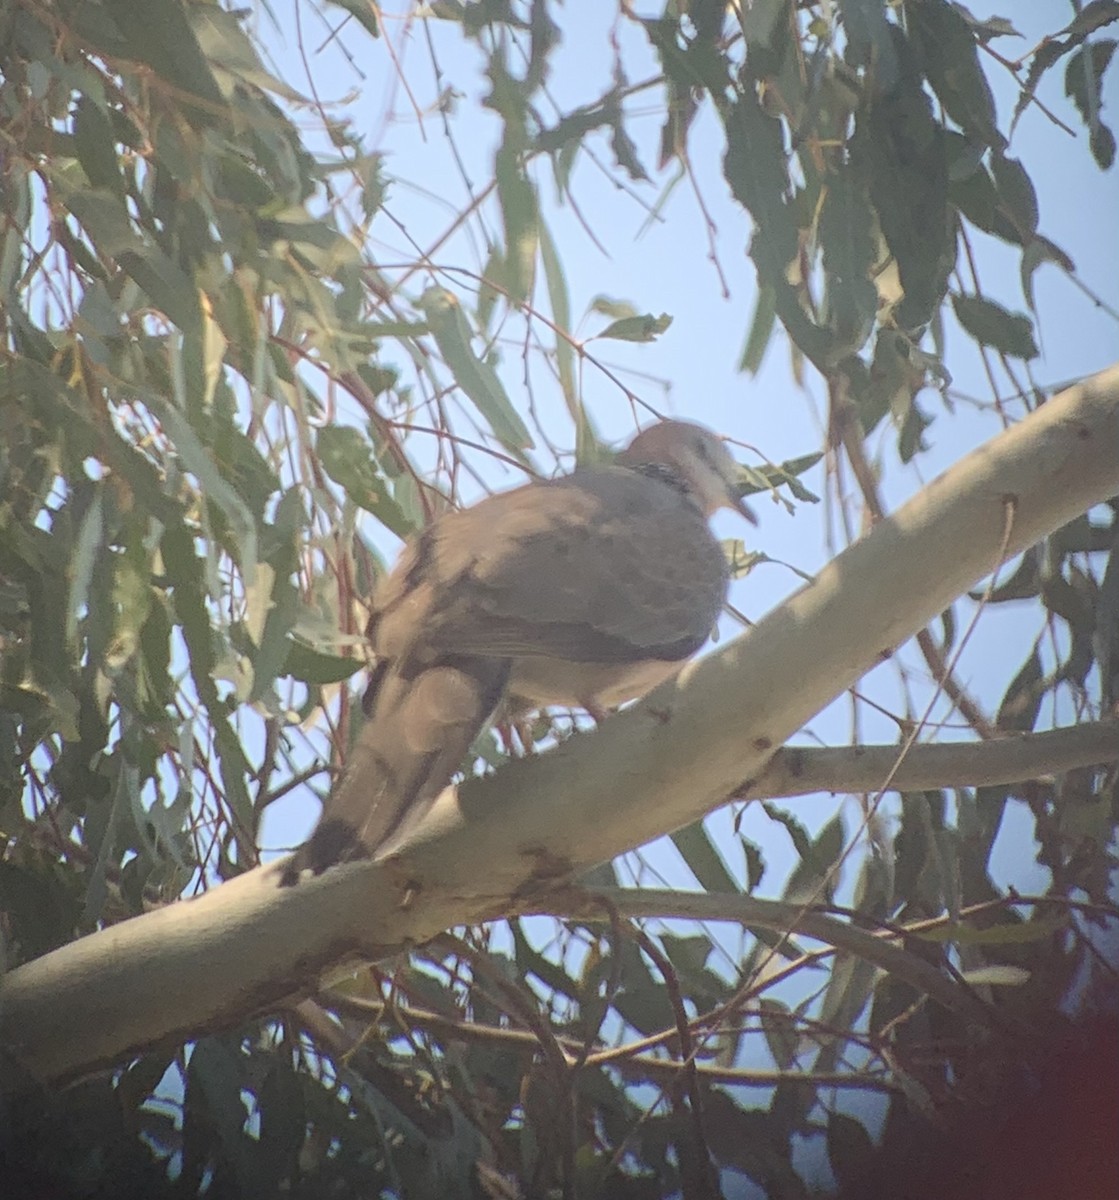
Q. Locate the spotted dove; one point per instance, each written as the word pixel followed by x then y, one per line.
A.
pixel 587 590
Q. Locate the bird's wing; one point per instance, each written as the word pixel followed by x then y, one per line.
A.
pixel 603 566
pixel 606 567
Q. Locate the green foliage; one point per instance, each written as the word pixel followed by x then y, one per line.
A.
pixel 209 371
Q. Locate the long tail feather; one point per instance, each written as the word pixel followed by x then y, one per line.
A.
pixel 417 733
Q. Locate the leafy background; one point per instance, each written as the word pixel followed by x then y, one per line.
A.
pixel 256 330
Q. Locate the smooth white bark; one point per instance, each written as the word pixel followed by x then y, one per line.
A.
pixel 492 844
pixel 801 770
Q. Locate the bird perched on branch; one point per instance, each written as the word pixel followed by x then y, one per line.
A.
pixel 586 590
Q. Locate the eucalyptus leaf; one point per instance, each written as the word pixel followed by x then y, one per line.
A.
pixel 642 328
pixel 477 378
pixel 992 325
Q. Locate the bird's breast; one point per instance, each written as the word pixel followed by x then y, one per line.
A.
pixel 544 681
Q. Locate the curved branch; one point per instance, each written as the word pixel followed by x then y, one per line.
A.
pixel 779 916
pixel 634 1066
pixel 247 946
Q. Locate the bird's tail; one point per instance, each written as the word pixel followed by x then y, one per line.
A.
pixel 417 732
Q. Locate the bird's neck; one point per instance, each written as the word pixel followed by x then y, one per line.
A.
pixel 667 474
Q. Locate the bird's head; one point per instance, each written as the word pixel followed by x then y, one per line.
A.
pixel 697 457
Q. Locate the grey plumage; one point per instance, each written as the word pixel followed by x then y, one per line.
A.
pixel 584 590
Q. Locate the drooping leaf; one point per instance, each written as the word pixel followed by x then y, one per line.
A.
pixel 643 328
pixel 704 860
pixel 987 28
pixel 752 1141
pixel 1094 15
pixel 761 328
pixel 348 458
pixel 86 551
pixel 992 325
pixel 812 880
pixel 560 301
pixel 609 307
pixel 642 1000
pixel 364 13
pixel 1010 934
pixel 1041 250
pixel 950 55
pixel 213 1108
pixel 786 474
pixel 977 198
pixel 1091 17
pixel 198 459
pixel 845 999
pixel 315 667
pixel 740 561
pixel 283 1110
pixel 795 828
pixel 189 592
pixel 131 596
pixel 850 1153
pixel 780 1027
pixel 95 141
pixel 159 34
pixel 105 218
pixel 901 152
pixel 849 253
pixel 689 953
pixel 228 50
pixel 869 42
pixel 755 862
pixel 1022 702
pixel 521 219
pixel 1084 85
pixel 515 192
pixel 1018 199
pixel 476 378
pixel 756 169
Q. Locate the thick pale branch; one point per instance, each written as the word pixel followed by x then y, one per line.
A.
pixel 247 945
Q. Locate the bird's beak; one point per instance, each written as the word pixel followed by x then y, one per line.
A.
pixel 742 508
